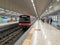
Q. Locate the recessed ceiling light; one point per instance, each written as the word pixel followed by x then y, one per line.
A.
pixel 57 0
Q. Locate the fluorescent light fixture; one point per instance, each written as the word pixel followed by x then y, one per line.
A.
pixel 18 13
pixel 32 1
pixel 7 10
pixel 50 6
pixel 34 6
pixel 7 13
pixel 15 12
pixel 57 0
pixel 11 11
pixel 1 9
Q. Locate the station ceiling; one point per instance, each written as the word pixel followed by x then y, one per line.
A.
pixel 25 6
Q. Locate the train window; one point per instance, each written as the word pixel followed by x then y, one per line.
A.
pixel 24 19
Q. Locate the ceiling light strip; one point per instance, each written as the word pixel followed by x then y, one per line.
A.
pixel 34 6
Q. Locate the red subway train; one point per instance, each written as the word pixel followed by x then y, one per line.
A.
pixel 24 21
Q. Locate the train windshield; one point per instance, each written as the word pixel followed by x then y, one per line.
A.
pixel 24 19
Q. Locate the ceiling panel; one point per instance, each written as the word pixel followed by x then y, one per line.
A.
pixel 41 5
pixel 25 6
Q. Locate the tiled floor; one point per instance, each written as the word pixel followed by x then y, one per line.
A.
pixel 48 35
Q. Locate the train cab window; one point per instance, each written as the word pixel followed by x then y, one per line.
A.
pixel 24 19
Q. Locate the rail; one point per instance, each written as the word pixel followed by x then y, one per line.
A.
pixel 23 37
pixel 11 35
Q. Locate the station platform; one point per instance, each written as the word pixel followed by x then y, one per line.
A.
pixel 39 34
pixel 42 34
pixel 8 23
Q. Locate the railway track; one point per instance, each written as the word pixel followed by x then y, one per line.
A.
pixel 3 35
pixel 10 36
pixel 7 31
pixel 7 40
pixel 8 27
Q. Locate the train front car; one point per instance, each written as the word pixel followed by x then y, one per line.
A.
pixel 25 21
